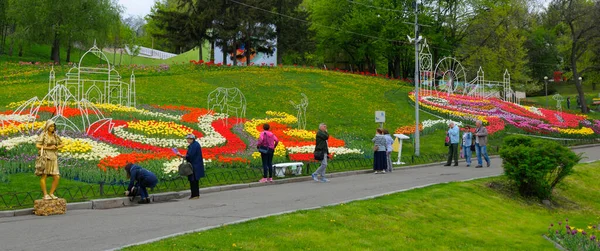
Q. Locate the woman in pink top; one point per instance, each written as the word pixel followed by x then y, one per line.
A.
pixel 269 140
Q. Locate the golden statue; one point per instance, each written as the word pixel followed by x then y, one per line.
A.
pixel 49 142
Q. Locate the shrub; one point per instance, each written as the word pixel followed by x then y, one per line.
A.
pixel 536 166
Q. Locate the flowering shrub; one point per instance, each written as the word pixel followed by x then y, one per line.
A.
pixel 573 238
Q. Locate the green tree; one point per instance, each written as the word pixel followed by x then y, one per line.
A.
pixel 496 42
pixel 581 22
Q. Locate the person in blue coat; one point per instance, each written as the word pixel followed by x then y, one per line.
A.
pixel 142 179
pixel 194 157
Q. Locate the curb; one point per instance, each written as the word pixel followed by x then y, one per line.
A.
pixel 169 196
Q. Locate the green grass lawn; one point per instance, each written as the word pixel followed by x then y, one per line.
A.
pixel 455 216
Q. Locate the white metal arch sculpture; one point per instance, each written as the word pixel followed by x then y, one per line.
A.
pixel 228 100
pixel 103 82
pixel 301 111
pixel 61 99
pixel 450 76
pixel 426 69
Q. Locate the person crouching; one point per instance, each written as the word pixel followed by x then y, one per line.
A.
pixel 141 179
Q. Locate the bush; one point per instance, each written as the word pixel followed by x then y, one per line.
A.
pixel 536 166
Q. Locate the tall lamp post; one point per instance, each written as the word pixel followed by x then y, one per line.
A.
pixel 546 84
pixel 581 99
pixel 417 80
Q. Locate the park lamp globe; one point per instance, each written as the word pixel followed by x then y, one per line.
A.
pixel 545 77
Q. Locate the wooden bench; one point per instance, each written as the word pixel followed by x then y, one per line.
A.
pixel 294 168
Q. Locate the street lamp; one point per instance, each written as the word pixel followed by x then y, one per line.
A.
pixel 546 84
pixel 581 99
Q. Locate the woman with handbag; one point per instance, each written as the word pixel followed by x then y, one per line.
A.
pixel 194 157
pixel 266 146
pixel 47 162
pixel 379 152
pixel 141 179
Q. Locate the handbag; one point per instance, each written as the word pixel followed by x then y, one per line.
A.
pixel 447 141
pixel 319 155
pixel 263 149
pixel 185 168
pixel 472 144
pixel 40 163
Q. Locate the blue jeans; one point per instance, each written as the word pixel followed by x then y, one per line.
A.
pixel 479 150
pixel 145 184
pixel 267 162
pixel 467 153
pixel 321 170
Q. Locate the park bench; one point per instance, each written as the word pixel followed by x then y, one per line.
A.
pixel 294 168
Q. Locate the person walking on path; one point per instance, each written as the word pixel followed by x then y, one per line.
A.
pixel 194 157
pixel 467 140
pixel 141 179
pixel 388 146
pixel 379 152
pixel 269 140
pixel 481 134
pixel 453 133
pixel 322 146
pixel 49 143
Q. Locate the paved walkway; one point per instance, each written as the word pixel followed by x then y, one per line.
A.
pixel 114 228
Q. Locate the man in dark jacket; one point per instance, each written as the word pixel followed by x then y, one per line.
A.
pixel 321 147
pixel 142 179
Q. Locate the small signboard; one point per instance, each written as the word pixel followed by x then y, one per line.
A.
pixel 379 116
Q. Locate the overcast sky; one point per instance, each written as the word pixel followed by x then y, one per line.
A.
pixel 137 7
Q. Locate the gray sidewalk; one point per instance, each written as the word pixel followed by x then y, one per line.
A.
pixel 114 228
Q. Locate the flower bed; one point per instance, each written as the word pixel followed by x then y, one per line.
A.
pixel 573 238
pixel 139 141
pixel 496 113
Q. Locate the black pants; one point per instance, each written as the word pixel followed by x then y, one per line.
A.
pixel 452 152
pixel 267 162
pixel 195 188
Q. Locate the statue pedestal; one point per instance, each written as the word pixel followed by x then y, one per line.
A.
pixel 50 207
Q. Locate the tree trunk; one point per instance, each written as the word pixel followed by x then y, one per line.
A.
pixel 200 51
pixel 396 66
pixel 114 55
pixel 224 50
pixel 594 85
pixel 10 49
pixel 580 95
pixel 234 50
pixel 69 53
pixel 212 52
pixel 121 57
pixel 247 53
pixel 55 56
pixel 278 31
pixel 20 49
pixel 391 67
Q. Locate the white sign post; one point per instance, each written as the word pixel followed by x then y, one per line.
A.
pixel 380 118
pixel 400 137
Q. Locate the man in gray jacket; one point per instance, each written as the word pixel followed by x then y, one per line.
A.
pixel 481 134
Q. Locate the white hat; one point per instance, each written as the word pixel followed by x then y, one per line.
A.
pixel 190 136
